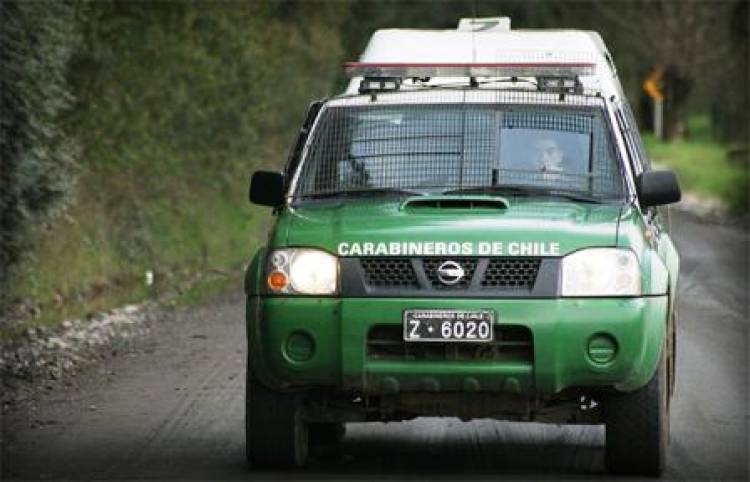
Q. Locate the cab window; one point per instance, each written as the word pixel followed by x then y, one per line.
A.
pixel 442 147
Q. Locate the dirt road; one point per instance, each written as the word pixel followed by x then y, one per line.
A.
pixel 172 408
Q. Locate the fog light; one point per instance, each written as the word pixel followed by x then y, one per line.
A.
pixel 602 348
pixel 300 346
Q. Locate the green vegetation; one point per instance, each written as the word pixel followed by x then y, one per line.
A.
pixel 175 106
pixel 705 166
pixel 36 43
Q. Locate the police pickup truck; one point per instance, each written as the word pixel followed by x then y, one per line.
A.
pixel 471 230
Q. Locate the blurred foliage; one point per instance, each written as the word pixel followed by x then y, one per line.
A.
pixel 704 166
pixel 175 105
pixel 37 40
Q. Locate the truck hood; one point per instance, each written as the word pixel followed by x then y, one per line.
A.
pixel 514 226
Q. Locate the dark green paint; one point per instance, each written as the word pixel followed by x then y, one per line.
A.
pixel 562 328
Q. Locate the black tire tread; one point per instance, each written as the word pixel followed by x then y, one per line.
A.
pixel 637 427
pixel 270 419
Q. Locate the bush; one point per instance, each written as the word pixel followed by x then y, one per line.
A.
pixel 37 40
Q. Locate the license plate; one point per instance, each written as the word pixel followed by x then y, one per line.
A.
pixel 449 325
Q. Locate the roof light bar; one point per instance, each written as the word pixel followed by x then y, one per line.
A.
pixel 505 69
pixel 565 85
pixel 379 84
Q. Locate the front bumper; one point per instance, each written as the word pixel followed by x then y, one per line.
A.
pixel 561 330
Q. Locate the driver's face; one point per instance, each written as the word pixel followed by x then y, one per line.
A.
pixel 549 155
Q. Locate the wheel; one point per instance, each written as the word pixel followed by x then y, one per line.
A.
pixel 637 426
pixel 326 433
pixel 275 434
pixel 672 360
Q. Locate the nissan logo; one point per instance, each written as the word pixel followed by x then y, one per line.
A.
pixel 450 273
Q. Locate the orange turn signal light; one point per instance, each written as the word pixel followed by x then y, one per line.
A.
pixel 277 281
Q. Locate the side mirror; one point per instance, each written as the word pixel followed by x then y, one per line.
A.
pixel 656 188
pixel 267 188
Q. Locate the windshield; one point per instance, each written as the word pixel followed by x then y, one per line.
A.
pixel 435 148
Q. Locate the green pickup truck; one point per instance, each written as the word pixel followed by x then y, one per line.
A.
pixel 472 239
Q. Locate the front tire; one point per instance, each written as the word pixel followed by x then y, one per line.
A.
pixel 637 426
pixel 276 436
pixel 672 360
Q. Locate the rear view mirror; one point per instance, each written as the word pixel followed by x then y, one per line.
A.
pixel 267 188
pixel 656 188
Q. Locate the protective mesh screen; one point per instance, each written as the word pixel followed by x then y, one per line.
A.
pixel 434 147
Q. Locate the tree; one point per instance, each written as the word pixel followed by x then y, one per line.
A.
pixel 690 40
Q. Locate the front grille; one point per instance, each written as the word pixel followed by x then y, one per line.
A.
pixel 511 343
pixel 511 273
pixel 389 272
pixel 431 266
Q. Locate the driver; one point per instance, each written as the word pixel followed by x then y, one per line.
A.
pixel 548 155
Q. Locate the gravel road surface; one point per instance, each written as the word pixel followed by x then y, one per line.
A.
pixel 172 406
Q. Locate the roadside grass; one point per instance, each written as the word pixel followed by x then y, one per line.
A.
pixel 195 242
pixel 705 166
pixel 210 285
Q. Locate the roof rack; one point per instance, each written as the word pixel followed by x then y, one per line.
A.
pixel 559 77
pixel 495 69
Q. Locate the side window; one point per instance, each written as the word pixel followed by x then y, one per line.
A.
pixel 661 211
pixel 636 136
pixel 634 145
pixel 294 154
pixel 627 133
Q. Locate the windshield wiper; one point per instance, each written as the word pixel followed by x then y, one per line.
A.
pixel 383 191
pixel 530 192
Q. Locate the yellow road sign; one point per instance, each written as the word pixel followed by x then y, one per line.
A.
pixel 652 85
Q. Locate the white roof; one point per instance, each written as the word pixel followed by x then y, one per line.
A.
pixel 527 47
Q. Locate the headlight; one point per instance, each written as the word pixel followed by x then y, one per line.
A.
pixel 302 271
pixel 601 272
